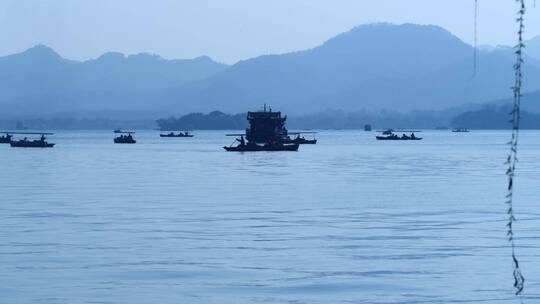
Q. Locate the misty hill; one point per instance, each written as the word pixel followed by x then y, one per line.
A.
pixel 215 120
pixel 39 80
pixel 451 86
pixel 496 118
pixel 496 114
pixel 365 55
pixel 532 47
pixel 378 66
pixel 401 67
pixel 328 119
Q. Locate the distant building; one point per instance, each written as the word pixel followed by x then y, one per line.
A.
pixel 20 126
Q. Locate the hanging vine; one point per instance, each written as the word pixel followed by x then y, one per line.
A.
pixel 475 60
pixel 519 279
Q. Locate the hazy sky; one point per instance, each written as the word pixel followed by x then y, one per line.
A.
pixel 231 30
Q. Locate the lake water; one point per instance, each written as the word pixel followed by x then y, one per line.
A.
pixel 349 220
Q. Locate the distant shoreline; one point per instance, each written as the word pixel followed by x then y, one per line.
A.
pixel 487 117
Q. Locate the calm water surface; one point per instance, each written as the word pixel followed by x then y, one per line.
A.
pixel 350 220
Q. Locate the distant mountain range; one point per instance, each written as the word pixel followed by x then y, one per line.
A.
pixel 379 66
pixel 406 67
pixel 39 81
pixel 533 47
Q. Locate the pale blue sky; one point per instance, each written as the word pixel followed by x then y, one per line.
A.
pixel 231 30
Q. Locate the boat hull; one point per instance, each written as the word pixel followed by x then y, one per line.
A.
pixel 31 144
pixel 167 135
pixel 256 148
pixel 397 138
pixel 124 141
pixel 301 141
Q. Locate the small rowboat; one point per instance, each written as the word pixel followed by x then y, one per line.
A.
pixel 255 148
pixel 31 144
pixel 186 134
pixel 397 138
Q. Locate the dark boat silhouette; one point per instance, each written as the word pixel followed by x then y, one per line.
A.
pixel 6 139
pixel 267 132
pixel 396 137
pixel 37 143
pixel 266 147
pixel 299 140
pixel 24 143
pixel 124 139
pixel 389 134
pixel 461 130
pixel 180 134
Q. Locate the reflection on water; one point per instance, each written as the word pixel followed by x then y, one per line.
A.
pixel 349 220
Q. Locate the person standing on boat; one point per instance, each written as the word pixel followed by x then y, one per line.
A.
pixel 241 140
